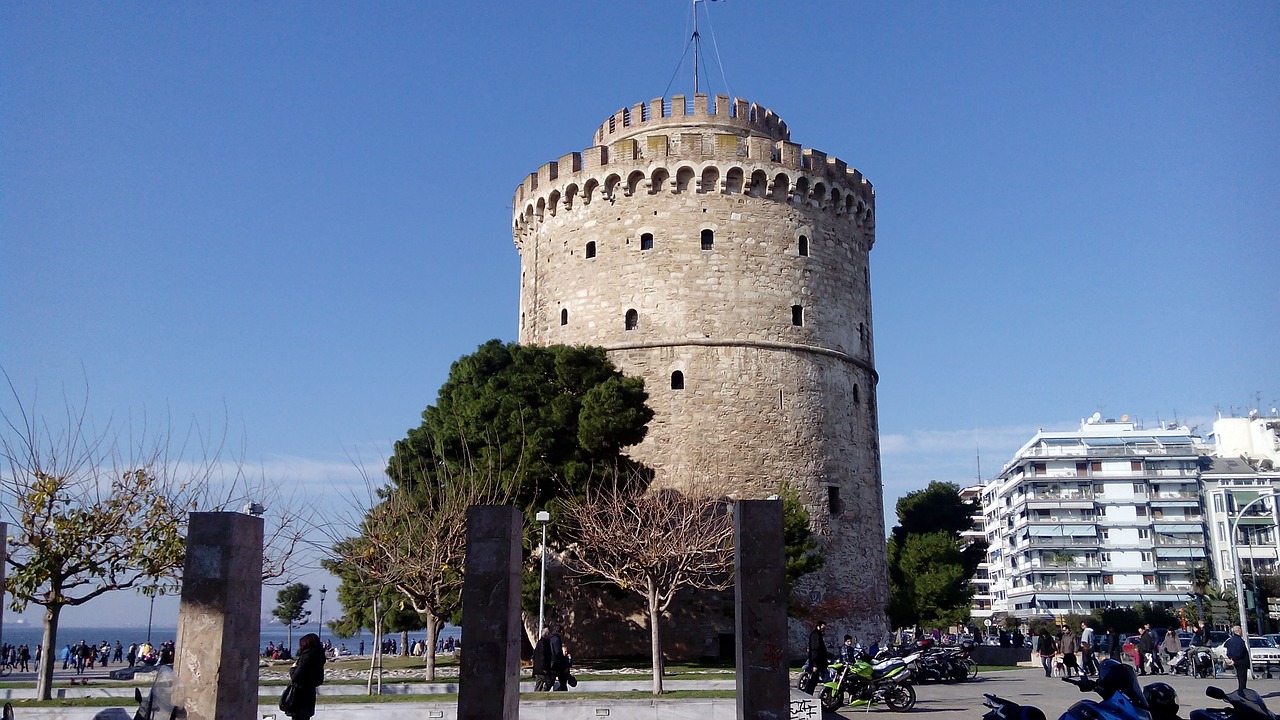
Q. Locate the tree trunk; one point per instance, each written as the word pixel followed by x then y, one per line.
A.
pixel 44 680
pixel 404 643
pixel 433 631
pixel 655 640
pixel 375 656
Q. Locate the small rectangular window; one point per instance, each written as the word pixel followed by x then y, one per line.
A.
pixel 646 241
pixel 797 315
pixel 833 499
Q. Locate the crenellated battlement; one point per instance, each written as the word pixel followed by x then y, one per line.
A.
pixel 737 116
pixel 678 135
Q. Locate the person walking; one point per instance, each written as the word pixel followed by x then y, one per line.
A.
pixel 1069 647
pixel 1113 644
pixel 306 675
pixel 1047 648
pixel 1146 651
pixel 1171 646
pixel 818 656
pixel 544 678
pixel 560 661
pixel 1238 656
pixel 1088 651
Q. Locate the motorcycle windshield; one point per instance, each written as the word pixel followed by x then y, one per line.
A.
pixel 1250 699
pixel 1115 677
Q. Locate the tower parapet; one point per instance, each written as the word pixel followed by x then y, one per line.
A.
pixel 657 146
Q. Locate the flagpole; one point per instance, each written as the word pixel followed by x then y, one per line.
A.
pixel 697 47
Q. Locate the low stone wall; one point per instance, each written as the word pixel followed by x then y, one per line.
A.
pixel 992 655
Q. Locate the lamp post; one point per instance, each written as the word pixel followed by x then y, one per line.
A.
pixel 543 517
pixel 320 624
pixel 1235 563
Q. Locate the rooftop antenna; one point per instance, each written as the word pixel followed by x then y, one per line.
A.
pixel 695 40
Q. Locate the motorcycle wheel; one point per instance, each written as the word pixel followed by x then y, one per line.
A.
pixel 830 699
pixel 900 697
pixel 803 682
pixel 972 667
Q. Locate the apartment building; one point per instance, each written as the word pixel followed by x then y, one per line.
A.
pixel 1237 477
pixel 1109 514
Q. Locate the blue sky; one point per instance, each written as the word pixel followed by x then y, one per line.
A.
pixel 292 217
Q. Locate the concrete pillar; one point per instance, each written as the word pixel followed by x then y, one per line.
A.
pixel 489 667
pixel 760 618
pixel 219 617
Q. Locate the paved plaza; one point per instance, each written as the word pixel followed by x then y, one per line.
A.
pixel 961 701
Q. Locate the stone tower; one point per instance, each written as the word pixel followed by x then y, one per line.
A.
pixel 728 268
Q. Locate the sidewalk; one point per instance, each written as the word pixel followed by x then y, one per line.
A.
pixel 962 701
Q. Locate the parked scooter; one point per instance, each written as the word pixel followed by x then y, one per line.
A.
pixel 1245 704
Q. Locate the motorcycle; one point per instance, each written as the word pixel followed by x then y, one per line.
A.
pixel 1002 709
pixel 1245 704
pixel 861 684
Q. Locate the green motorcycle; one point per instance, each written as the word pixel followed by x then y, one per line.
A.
pixel 861 684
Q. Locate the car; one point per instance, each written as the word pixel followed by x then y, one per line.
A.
pixel 1263 653
pixel 1275 638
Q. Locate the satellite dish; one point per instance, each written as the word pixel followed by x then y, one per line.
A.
pixel 1095 417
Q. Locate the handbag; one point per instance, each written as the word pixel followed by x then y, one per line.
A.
pixel 288 699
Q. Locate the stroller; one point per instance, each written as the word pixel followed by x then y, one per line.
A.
pixel 1201 662
pixel 1180 664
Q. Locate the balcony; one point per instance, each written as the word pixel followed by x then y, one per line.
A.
pixel 1064 541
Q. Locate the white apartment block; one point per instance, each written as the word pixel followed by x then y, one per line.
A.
pixel 1243 454
pixel 1113 514
pixel 1109 514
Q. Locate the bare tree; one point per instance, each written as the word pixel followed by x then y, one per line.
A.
pixel 652 544
pixel 95 511
pixel 415 540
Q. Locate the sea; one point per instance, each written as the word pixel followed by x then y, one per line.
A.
pixel 32 634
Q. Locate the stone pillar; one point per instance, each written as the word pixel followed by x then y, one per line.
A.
pixel 219 618
pixel 760 618
pixel 489 667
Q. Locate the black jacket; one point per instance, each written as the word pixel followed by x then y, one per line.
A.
pixel 308 674
pixel 818 649
pixel 542 658
pixel 1237 651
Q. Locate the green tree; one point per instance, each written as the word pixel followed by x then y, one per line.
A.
pixel 930 566
pixel 804 554
pixel 550 421
pixel 290 609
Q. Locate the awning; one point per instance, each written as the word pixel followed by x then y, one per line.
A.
pixel 1179 528
pixel 1062 530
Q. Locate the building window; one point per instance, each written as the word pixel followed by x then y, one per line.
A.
pixel 646 241
pixel 1038 468
pixel 677 380
pixel 1217 503
pixel 1135 465
pixel 1082 469
pixel 856 397
pixel 1146 556
pixel 633 319
pixel 1108 579
pixel 833 499
pixel 1105 557
pixel 1144 534
pixel 708 239
pixel 1142 510
pixel 797 315
pixel 1095 466
pixel 803 246
pixel 564 316
pixel 591 249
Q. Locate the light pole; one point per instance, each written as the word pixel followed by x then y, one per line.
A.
pixel 543 517
pixel 320 624
pixel 1235 563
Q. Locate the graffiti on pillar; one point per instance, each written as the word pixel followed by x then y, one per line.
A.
pixel 805 709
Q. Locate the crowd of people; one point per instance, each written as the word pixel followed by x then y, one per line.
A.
pixel 82 655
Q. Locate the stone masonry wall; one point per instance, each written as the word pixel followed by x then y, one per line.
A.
pixel 768 325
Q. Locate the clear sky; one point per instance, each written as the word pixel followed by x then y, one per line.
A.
pixel 292 217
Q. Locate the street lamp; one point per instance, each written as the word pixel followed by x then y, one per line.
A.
pixel 1235 563
pixel 543 517
pixel 320 624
